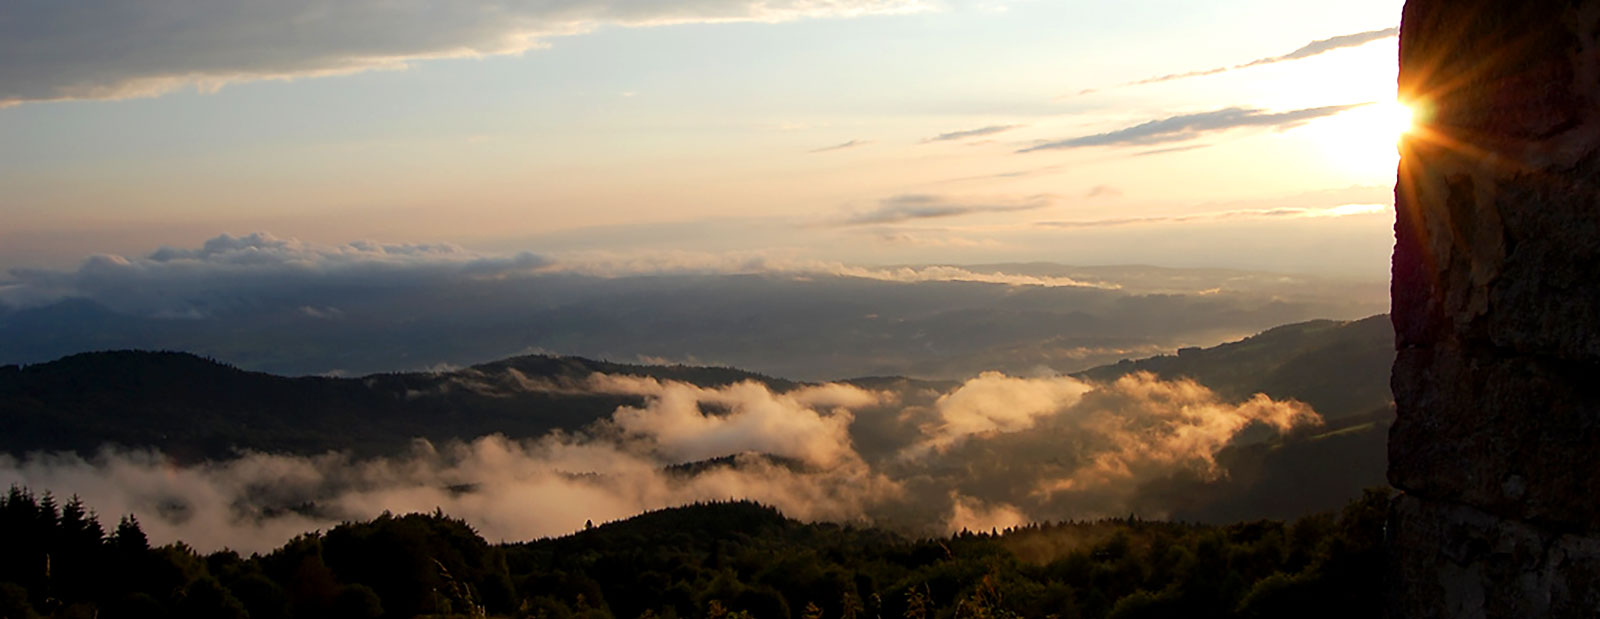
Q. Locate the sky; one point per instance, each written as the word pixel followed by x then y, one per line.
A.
pixel 1234 133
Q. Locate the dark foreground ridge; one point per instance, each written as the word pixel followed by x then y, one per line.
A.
pixel 721 560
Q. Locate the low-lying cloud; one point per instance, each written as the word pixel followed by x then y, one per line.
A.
pixel 508 489
pixel 995 403
pixel 787 424
pixel 103 49
pixel 995 452
pixel 1191 126
pixel 1056 447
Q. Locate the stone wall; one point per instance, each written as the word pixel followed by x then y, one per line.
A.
pixel 1496 308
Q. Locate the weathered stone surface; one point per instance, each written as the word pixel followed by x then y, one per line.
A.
pixel 1466 563
pixel 1496 287
pixel 1514 435
pixel 1496 308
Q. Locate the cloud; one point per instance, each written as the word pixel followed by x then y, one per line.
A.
pixel 1313 48
pixel 1003 175
pixel 1342 210
pixel 944 273
pixel 231 270
pixel 1149 427
pixel 623 264
pixel 994 402
pixel 1329 44
pixel 970 514
pixel 898 237
pixel 1191 126
pixel 1174 149
pixel 110 49
pixel 970 133
pixel 1049 447
pixel 909 207
pixel 785 424
pixel 258 263
pixel 1056 447
pixel 1103 191
pixel 508 489
pixel 843 146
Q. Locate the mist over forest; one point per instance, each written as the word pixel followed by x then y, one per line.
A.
pixel 250 394
pixel 1282 424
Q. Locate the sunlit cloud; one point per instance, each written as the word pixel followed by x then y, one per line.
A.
pixel 104 49
pixel 1344 210
pixel 910 207
pixel 1103 191
pixel 176 282
pixel 842 146
pixel 1314 48
pixel 257 263
pixel 996 451
pixel 898 237
pixel 1004 175
pixel 971 133
pixel 1174 149
pixel 1190 126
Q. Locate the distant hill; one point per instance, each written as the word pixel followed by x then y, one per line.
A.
pixel 808 327
pixel 1340 368
pixel 193 408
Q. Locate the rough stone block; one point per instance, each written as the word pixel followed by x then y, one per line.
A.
pixel 1453 561
pixel 1516 436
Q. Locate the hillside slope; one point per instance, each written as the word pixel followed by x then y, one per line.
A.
pixel 193 408
pixel 1340 368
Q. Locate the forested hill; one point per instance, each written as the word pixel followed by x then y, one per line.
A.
pixel 193 408
pixel 720 560
pixel 1340 368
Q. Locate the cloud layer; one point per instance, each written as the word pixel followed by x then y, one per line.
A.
pixel 841 146
pixel 996 451
pixel 971 133
pixel 1343 210
pixel 177 282
pixel 1314 48
pixel 257 263
pixel 109 49
pixel 508 489
pixel 293 307
pixel 909 207
pixel 1190 126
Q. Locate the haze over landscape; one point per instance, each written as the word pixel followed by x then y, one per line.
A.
pixel 932 267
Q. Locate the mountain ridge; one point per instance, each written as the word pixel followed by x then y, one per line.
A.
pixel 193 408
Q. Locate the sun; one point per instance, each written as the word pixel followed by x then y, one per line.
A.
pixel 1378 125
pixel 1365 140
pixel 1394 118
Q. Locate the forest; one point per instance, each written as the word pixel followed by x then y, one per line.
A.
pixel 715 560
